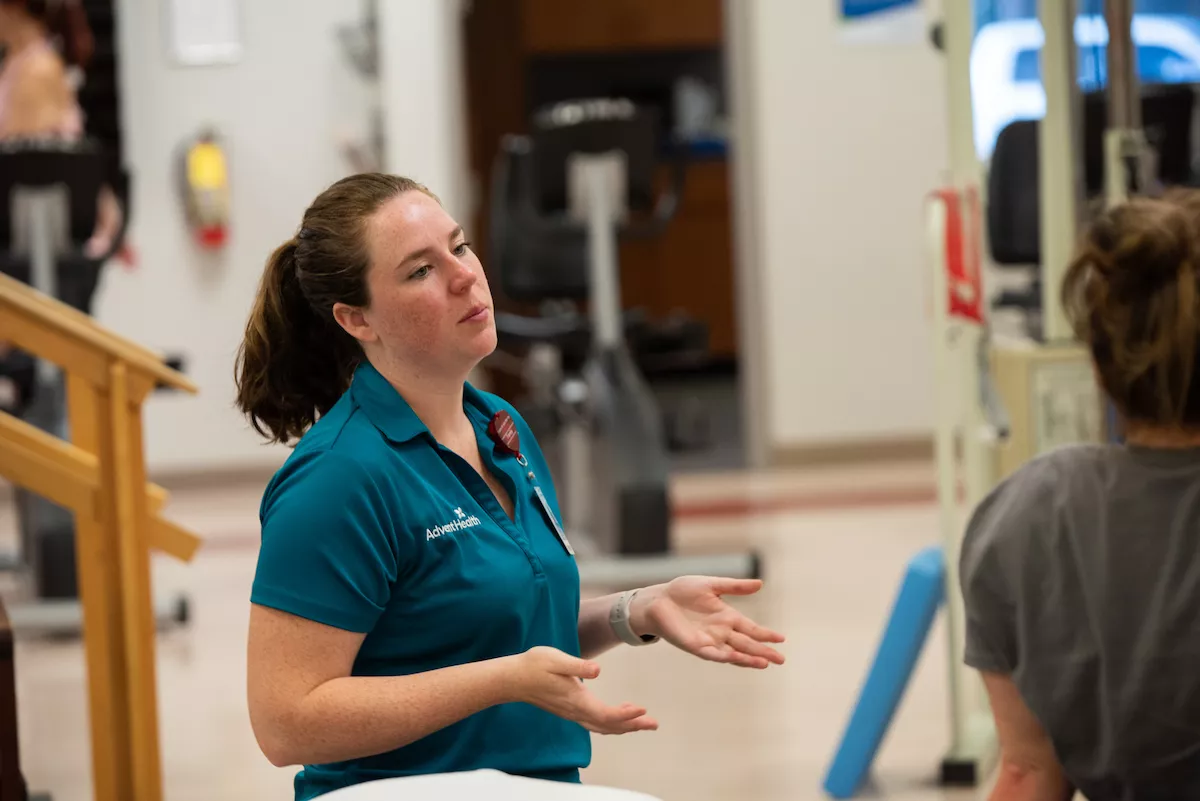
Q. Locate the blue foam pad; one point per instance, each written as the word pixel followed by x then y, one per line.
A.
pixel 913 612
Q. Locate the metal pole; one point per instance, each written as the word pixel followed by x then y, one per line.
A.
pixel 1059 161
pixel 599 179
pixel 1126 164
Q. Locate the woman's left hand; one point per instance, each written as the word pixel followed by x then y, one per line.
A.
pixel 688 612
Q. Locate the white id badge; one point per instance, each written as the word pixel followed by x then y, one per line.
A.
pixel 562 537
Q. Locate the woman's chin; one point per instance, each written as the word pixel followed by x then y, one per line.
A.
pixel 483 344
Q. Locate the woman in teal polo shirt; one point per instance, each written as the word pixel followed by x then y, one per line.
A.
pixel 416 606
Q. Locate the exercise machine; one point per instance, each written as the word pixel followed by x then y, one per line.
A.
pixel 563 197
pixel 48 210
pixel 1004 399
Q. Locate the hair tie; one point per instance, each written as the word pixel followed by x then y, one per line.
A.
pixel 306 233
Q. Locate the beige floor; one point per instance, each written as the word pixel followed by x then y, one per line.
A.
pixel 725 733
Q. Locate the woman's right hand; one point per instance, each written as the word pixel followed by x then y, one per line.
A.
pixel 553 680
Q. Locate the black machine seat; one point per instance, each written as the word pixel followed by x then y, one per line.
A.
pixel 84 169
pixel 1014 202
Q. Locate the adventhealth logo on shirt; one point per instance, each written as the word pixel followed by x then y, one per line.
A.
pixel 460 522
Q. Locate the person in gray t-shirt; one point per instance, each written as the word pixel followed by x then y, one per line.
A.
pixel 1081 571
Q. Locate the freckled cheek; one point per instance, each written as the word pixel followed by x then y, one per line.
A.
pixel 414 328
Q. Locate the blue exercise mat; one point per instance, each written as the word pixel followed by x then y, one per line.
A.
pixel 916 606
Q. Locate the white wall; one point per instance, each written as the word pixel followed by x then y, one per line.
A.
pixel 280 111
pixel 847 139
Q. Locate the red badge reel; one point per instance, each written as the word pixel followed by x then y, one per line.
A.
pixel 503 432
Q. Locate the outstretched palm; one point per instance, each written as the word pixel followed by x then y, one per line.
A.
pixel 690 614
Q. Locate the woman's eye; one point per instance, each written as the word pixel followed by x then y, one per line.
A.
pixel 420 272
pixel 462 248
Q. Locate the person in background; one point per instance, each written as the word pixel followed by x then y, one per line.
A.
pixel 416 606
pixel 1081 571
pixel 46 44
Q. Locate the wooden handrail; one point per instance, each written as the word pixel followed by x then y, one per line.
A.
pixel 70 476
pixel 101 476
pixel 19 300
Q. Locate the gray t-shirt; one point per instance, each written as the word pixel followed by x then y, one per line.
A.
pixel 1081 579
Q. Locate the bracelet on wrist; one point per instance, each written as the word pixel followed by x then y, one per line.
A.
pixel 618 618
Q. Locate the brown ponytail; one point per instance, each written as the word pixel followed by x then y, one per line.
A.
pixel 1131 293
pixel 295 361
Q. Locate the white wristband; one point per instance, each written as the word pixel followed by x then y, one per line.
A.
pixel 618 618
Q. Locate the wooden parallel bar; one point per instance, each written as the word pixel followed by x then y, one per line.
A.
pixel 77 463
pixel 57 471
pixel 67 475
pixel 19 300
pixel 136 597
pixel 45 340
pixel 101 476
pixel 99 577
pixel 172 539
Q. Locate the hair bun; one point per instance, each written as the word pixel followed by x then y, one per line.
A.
pixel 1146 242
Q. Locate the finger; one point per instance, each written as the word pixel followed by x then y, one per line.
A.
pixel 717 653
pixel 568 665
pixel 749 647
pixel 751 629
pixel 619 720
pixel 728 586
pixel 599 717
pixel 592 708
pixel 642 723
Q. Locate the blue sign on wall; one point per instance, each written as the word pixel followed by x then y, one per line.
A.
pixel 856 9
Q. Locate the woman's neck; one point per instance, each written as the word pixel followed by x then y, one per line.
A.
pixel 436 400
pixel 1149 436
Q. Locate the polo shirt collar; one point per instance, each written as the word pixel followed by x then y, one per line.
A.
pixel 389 412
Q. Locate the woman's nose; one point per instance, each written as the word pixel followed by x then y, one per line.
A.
pixel 463 277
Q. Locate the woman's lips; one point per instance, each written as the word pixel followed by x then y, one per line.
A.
pixel 475 315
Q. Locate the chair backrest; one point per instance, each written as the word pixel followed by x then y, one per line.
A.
pixel 538 251
pixel 1014 202
pixel 593 126
pixel 532 259
pixel 1013 205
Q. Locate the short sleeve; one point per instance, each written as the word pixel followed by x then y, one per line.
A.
pixel 328 549
pixel 995 551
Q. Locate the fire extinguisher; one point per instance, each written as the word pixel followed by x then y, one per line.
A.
pixel 206 190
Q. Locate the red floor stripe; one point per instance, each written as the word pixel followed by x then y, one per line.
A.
pixel 733 508
pixel 808 502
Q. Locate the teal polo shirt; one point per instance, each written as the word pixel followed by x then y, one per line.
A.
pixel 371 526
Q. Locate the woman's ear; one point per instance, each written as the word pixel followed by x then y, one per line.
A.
pixel 354 322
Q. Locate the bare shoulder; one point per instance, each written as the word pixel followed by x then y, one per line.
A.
pixel 43 71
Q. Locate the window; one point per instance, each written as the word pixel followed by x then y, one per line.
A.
pixel 1156 64
pixel 1005 60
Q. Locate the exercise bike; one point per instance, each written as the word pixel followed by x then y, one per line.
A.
pixel 562 198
